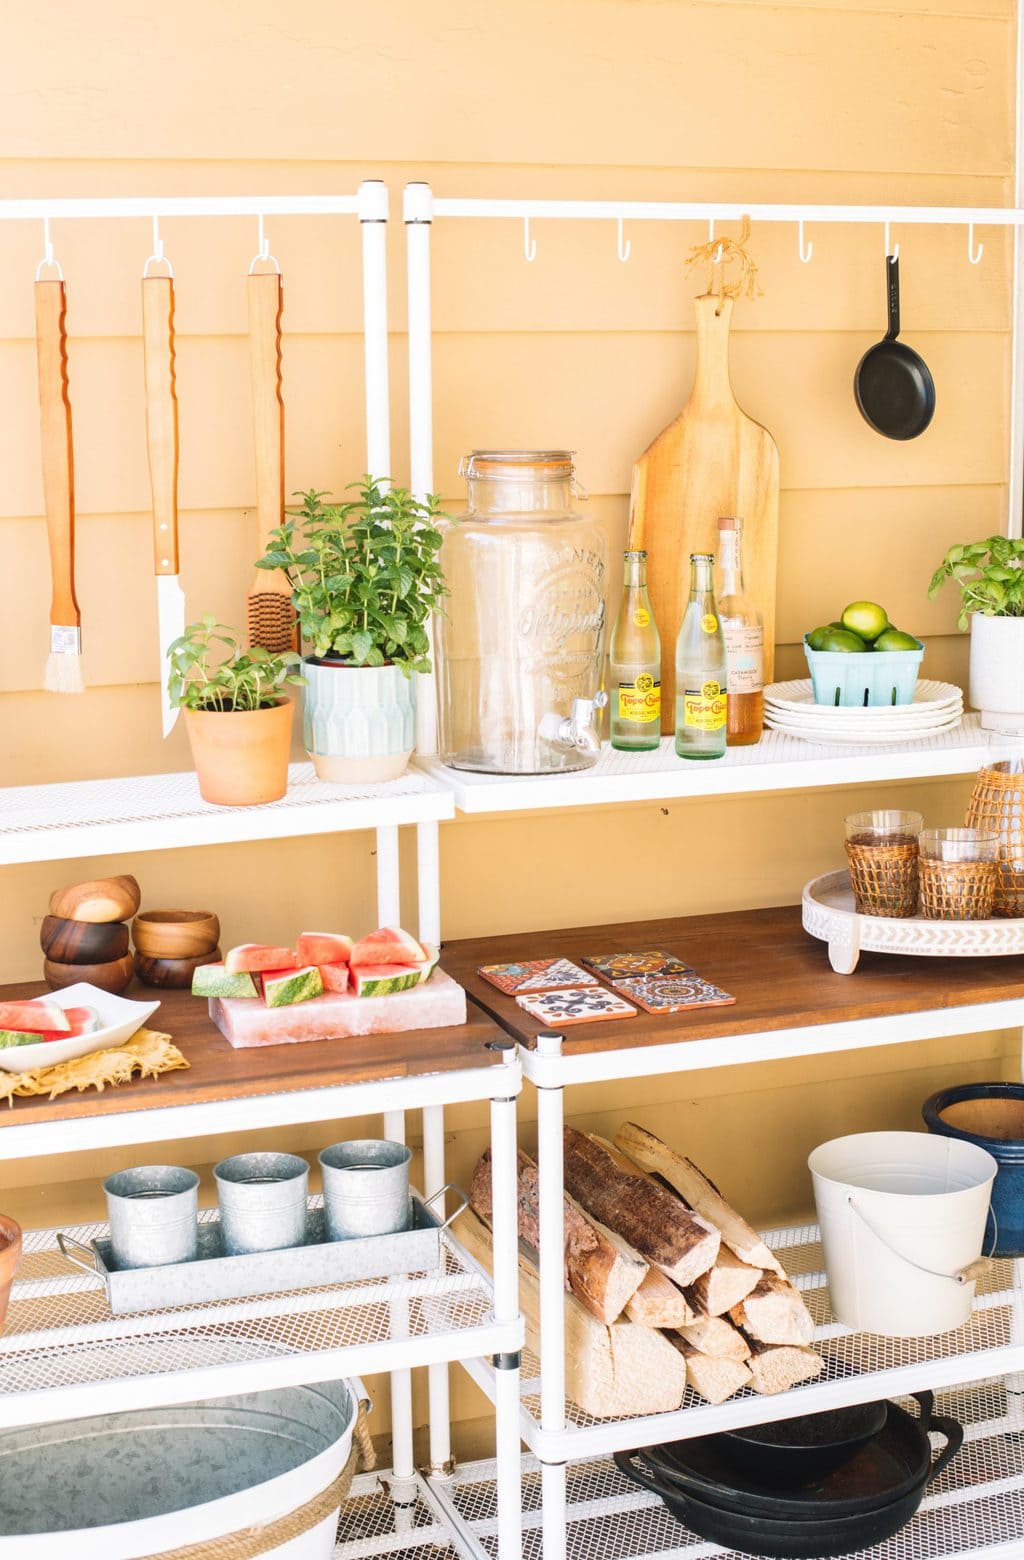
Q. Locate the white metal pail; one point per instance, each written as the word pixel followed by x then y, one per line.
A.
pixel 902 1218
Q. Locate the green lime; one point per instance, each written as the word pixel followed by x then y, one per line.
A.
pixel 895 639
pixel 837 623
pixel 816 638
pixel 842 639
pixel 865 618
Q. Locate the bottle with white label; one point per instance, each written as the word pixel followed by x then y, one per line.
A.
pixel 744 640
pixel 700 668
pixel 635 664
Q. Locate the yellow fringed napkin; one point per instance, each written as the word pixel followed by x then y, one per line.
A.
pixel 146 1053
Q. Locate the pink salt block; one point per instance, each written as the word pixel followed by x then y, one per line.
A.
pixel 438 1003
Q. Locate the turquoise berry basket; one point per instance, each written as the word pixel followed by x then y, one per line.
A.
pixel 874 677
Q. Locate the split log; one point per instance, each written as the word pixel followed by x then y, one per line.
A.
pixel 726 1285
pixel 611 1372
pixel 774 1312
pixel 712 1379
pixel 654 1222
pixel 700 1193
pixel 777 1369
pixel 658 1303
pixel 715 1336
pixel 601 1270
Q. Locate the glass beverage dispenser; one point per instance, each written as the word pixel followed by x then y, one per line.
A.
pixel 521 645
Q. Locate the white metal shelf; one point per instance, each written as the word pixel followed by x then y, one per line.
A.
pixel 165 812
pixel 974 1509
pixel 62 1345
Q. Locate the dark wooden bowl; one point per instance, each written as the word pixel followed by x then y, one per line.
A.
pixel 172 974
pixel 101 899
pixel 83 942
pixel 175 934
pixel 113 976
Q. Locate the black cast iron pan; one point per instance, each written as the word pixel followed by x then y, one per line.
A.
pixel 795 1451
pixel 893 384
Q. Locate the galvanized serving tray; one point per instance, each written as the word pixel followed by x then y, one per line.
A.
pixel 317 1263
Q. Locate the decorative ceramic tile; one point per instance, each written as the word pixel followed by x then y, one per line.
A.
pixel 556 1008
pixel 624 966
pixel 536 975
pixel 674 995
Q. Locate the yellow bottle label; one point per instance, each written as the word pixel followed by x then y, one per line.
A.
pixel 641 617
pixel 640 700
pixel 709 623
pixel 704 708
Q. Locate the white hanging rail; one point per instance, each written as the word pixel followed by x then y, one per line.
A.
pixel 722 211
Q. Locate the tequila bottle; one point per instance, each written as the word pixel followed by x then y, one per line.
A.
pixel 744 640
pixel 635 660
pixel 701 668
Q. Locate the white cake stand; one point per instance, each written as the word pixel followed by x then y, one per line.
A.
pixel 829 913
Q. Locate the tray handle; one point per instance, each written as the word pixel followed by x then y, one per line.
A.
pixel 90 1266
pixel 449 1186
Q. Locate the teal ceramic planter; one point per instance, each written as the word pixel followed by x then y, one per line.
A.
pixel 358 721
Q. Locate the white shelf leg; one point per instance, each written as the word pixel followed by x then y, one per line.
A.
pixel 389 894
pixel 437 1375
pixel 428 883
pixel 373 217
pixel 402 1462
pixel 418 209
pixel 552 1489
pixel 504 1223
pixel 550 1161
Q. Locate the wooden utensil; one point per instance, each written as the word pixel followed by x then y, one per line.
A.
pixel 712 460
pixel 83 942
pixel 175 934
pixel 64 666
pixel 162 442
pixel 269 612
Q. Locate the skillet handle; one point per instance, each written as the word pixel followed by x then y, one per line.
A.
pixel 953 1432
pixel 892 289
pixel 926 1403
pixel 626 1466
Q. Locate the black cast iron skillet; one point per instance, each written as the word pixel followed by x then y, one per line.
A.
pixel 795 1451
pixel 868 1500
pixel 893 384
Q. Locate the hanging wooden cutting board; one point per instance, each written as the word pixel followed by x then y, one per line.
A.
pixel 712 460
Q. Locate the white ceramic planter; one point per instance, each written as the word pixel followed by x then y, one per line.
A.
pixel 358 721
pixel 997 671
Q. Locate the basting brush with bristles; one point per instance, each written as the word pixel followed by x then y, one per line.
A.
pixel 269 611
pixel 64 666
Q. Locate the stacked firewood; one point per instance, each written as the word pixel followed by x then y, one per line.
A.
pixel 668 1286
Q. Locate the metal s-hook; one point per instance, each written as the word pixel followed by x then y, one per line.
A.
pixel 974 258
pixel 804 253
pixel 157 257
pixel 48 259
pixel 892 251
pixel 262 249
pixel 624 248
pixel 711 239
pixel 529 244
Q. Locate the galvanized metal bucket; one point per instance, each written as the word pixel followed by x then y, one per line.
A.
pixel 366 1188
pixel 153 1212
pixel 262 1201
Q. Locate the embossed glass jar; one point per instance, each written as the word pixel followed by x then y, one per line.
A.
pixel 520 648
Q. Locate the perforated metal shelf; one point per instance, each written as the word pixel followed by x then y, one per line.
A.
pixel 373 1523
pixel 61 1343
pixel 163 812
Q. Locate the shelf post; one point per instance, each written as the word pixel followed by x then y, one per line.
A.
pixel 504 1224
pixel 551 1241
pixel 389 896
pixel 418 212
pixel 1015 475
pixel 439 1409
pixel 428 882
pixel 373 218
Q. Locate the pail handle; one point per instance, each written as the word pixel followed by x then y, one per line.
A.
pixel 965 1275
pixel 90 1265
pixel 449 1186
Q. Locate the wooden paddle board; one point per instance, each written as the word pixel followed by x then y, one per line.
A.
pixel 712 460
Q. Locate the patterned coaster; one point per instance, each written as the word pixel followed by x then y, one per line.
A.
pixel 576 1007
pixel 624 966
pixel 536 975
pixel 674 995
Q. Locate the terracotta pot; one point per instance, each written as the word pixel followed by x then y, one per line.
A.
pixel 10 1256
pixel 241 756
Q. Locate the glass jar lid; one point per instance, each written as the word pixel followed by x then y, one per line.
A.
pixel 500 465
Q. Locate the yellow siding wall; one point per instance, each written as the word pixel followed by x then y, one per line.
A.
pixel 861 101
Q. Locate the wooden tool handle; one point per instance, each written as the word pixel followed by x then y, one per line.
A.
pixel 58 456
pixel 265 303
pixel 161 417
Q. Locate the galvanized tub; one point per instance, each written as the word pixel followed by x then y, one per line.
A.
pixel 152 1211
pixel 125 1486
pixel 262 1201
pixel 314 1265
pixel 366 1187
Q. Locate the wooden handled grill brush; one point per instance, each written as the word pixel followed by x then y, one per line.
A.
pixel 269 612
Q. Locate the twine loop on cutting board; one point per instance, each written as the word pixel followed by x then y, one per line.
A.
pixel 720 251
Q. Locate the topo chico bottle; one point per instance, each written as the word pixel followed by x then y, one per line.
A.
pixel 701 668
pixel 635 662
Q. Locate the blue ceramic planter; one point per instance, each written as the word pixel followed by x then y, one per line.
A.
pixel 358 721
pixel 990 1115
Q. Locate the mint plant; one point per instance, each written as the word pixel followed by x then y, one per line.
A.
pixel 210 670
pixel 990 575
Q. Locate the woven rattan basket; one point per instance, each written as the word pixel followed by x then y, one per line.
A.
pixel 884 877
pixel 997 803
pixel 957 890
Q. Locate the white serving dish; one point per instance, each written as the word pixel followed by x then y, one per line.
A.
pixel 824 737
pixel 797 696
pixel 119 1020
pixel 829 913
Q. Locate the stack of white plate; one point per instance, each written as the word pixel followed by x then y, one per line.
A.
pixel 789 707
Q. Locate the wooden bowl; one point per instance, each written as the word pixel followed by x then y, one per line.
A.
pixel 175 934
pixel 113 976
pixel 83 942
pixel 102 899
pixel 10 1256
pixel 172 974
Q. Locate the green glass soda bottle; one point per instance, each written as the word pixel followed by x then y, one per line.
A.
pixel 635 663
pixel 701 668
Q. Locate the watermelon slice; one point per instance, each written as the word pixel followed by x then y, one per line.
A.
pixel 427 969
pixel 323 948
pixel 213 980
pixel 34 1016
pixel 378 980
pixel 258 956
pixel 81 1021
pixel 283 987
pixel 334 976
pixel 387 945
